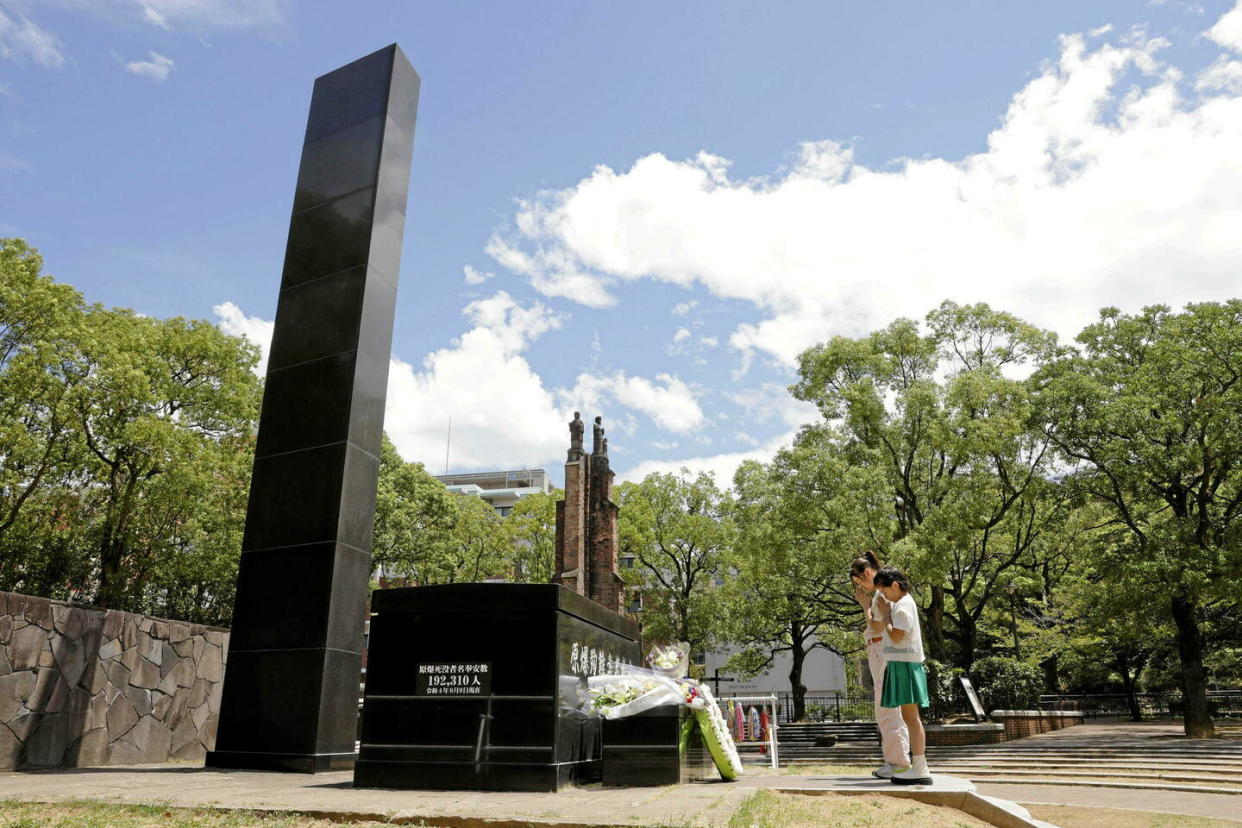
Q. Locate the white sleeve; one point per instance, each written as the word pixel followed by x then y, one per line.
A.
pixel 903 616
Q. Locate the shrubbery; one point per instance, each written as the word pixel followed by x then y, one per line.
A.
pixel 1007 684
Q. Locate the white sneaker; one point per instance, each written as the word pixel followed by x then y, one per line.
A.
pixel 884 771
pixel 916 774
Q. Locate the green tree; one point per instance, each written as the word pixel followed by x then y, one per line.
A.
pixel 39 322
pixel 415 517
pixel 479 548
pixel 943 415
pixel 531 529
pixel 155 400
pixel 678 530
pixel 125 450
pixel 801 520
pixel 1150 411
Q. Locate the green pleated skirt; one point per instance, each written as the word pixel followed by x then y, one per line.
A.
pixel 904 683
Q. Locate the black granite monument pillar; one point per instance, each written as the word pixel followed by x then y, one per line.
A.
pixel 291 689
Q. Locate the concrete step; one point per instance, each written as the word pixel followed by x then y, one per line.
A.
pixel 1041 773
pixel 983 761
pixel 1009 806
pixel 1003 751
pixel 1095 783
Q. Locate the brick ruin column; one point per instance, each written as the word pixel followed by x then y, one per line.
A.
pixel 586 522
pixel 571 516
pixel 605 585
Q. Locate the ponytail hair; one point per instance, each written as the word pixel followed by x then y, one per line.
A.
pixel 890 575
pixel 862 564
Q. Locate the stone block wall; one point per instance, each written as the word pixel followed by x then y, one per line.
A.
pixel 83 686
pixel 1021 723
pixel 965 734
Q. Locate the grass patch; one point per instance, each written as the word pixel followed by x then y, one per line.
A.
pixel 1077 816
pixel 17 814
pixel 767 809
pixel 828 769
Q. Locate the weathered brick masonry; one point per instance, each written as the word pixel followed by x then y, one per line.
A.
pixel 586 522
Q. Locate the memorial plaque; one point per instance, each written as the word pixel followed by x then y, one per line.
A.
pixel 453 679
pixel 535 643
pixel 973 697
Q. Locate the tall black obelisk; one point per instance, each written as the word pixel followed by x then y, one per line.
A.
pixel 290 694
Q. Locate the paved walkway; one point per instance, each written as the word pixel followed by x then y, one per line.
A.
pixel 1136 766
pixel 1117 764
pixel 1219 806
pixel 705 805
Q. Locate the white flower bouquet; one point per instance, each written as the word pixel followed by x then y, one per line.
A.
pixel 671 660
pixel 615 697
pixel 637 690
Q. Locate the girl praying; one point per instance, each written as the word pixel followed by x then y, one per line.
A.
pixel 905 683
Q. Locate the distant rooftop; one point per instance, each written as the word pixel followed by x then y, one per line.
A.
pixel 516 479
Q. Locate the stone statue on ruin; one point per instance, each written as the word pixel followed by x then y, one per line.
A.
pixel 576 428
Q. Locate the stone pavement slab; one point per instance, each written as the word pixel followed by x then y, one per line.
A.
pixel 1219 806
pixel 707 805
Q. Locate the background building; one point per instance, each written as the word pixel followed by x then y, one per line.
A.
pixel 502 489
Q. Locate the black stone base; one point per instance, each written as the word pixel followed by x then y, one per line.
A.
pixel 466 776
pixel 477 687
pixel 286 762
pixel 643 750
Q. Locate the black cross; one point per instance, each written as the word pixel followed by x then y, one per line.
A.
pixel 717 679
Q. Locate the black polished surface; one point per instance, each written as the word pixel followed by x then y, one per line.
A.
pixel 644 750
pixel 290 691
pixel 537 643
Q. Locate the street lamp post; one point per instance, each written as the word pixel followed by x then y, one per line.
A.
pixel 1012 588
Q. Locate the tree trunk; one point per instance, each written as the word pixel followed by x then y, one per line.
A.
pixel 111 592
pixel 1052 679
pixel 798 689
pixel 1127 680
pixel 1195 713
pixel 968 635
pixel 935 625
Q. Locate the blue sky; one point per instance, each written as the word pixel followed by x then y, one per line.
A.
pixel 644 210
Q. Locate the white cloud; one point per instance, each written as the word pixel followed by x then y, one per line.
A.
pixel 156 68
pixel 772 402
pixel 475 276
pixel 668 401
pixel 1106 182
pixel 1223 74
pixel 11 163
pixel 683 308
pixel 22 39
pixel 232 320
pixel 502 415
pixel 189 15
pixel 154 17
pixel 682 335
pixel 1227 31
pixel 722 466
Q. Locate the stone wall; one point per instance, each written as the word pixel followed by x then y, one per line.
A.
pixel 965 734
pixel 1021 723
pixel 83 686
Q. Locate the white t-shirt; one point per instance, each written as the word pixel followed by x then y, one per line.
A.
pixel 905 616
